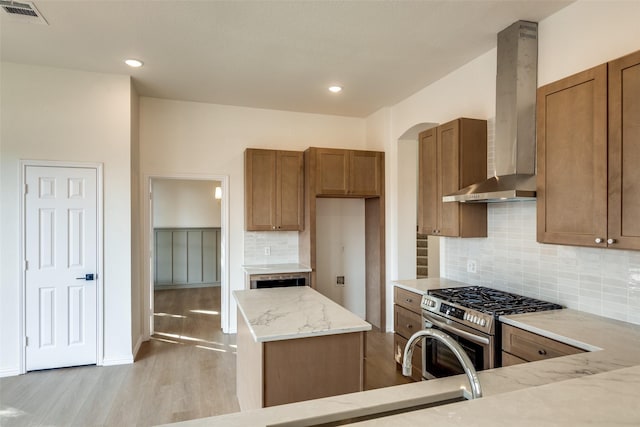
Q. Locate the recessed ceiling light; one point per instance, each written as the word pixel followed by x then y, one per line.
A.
pixel 335 89
pixel 134 63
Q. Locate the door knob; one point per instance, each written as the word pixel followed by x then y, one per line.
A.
pixel 89 276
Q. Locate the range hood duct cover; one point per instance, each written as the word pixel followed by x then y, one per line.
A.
pixel 515 136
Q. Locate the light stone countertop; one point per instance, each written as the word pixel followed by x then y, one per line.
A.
pixel 276 268
pixel 422 286
pixel 275 314
pixel 600 387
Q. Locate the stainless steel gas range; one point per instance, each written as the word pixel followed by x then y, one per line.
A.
pixel 470 315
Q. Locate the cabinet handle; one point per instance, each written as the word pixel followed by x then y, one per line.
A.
pixel 542 352
pixel 599 240
pixel 611 241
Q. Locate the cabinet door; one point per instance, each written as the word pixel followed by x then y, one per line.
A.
pixel 624 137
pixel 365 173
pixel 572 160
pixel 428 205
pixel 332 175
pixel 260 190
pixel 290 190
pixel 449 154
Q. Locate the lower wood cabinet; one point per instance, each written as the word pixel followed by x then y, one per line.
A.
pixel 407 320
pixel 520 346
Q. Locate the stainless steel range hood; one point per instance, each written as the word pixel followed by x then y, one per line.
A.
pixel 515 138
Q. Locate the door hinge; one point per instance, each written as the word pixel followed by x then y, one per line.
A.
pixel 26 265
pixel 26 188
pixel 26 341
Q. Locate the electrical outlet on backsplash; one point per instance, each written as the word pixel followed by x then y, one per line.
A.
pixel 600 281
pixel 282 247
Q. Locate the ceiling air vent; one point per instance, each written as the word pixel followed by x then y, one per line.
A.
pixel 24 11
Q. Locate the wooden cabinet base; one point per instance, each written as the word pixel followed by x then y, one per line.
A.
pixel 278 372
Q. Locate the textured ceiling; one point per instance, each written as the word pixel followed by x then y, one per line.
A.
pixel 269 54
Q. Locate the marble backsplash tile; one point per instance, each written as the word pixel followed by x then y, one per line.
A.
pixel 600 281
pixel 283 247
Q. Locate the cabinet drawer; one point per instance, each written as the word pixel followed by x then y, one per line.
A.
pixel 399 343
pixel 532 347
pixel 406 322
pixel 509 359
pixel 407 299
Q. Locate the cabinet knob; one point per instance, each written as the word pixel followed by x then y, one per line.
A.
pixel 409 300
pixel 409 326
pixel 542 352
pixel 611 241
pixel 599 240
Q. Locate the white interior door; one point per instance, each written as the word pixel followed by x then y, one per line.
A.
pixel 61 254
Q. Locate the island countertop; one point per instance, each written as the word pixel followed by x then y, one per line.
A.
pixel 275 314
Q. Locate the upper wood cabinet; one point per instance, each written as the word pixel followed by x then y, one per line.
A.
pixel 587 154
pixel 452 156
pixel 274 190
pixel 350 173
pixel 624 152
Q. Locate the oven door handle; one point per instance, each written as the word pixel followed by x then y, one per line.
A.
pixel 456 331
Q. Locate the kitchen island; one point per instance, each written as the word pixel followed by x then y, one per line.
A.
pixel 295 344
pixel 598 387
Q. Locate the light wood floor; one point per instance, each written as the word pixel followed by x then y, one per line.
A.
pixel 186 371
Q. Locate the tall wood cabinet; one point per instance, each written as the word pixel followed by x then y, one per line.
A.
pixel 452 156
pixel 588 149
pixel 331 172
pixel 274 190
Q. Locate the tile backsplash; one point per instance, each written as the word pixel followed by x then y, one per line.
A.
pixel 600 281
pixel 282 245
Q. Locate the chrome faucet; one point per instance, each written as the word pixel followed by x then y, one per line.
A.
pixel 464 360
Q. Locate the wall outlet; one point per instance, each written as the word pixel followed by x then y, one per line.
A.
pixel 471 266
pixel 267 250
pixel 340 280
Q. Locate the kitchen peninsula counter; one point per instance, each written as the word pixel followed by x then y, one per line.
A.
pixel 296 344
pixel 600 387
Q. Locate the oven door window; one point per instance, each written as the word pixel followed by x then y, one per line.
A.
pixel 441 362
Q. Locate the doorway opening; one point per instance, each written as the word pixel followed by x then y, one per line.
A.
pixel 188 269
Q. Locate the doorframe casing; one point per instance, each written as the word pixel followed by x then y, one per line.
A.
pixel 147 241
pixel 98 167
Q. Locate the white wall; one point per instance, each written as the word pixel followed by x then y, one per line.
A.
pixel 55 114
pixel 188 138
pixel 340 251
pixel 582 35
pixel 185 203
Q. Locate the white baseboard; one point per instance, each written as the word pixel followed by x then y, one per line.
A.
pixel 136 348
pixel 9 372
pixel 121 361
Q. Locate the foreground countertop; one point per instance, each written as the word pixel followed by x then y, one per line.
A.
pixel 275 314
pixel 275 268
pixel 600 387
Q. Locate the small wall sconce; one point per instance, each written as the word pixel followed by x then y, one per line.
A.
pixel 218 193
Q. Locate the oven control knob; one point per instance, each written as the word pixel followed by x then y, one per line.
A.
pixel 483 322
pixel 474 318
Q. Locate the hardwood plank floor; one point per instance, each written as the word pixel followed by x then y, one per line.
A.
pixel 186 371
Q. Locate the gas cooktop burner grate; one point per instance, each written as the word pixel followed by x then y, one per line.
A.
pixel 492 301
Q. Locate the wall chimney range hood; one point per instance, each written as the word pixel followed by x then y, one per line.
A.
pixel 515 138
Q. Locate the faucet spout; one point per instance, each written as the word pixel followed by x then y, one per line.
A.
pixel 458 351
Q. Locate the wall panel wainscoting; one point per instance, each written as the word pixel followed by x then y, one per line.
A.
pixel 186 257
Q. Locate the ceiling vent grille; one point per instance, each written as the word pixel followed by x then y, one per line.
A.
pixel 22 12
